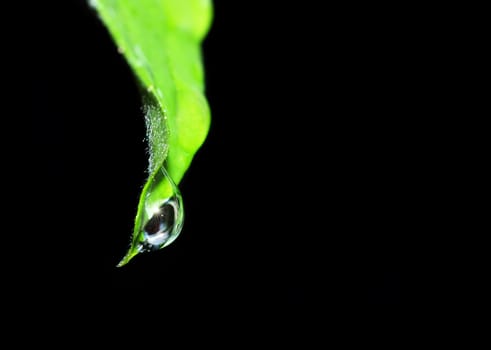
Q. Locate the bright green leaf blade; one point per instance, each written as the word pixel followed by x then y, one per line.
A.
pixel 161 41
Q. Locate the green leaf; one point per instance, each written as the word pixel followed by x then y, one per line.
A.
pixel 161 41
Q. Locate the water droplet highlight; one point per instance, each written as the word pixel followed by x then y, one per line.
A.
pixel 160 216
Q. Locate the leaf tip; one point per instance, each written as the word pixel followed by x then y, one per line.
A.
pixel 132 252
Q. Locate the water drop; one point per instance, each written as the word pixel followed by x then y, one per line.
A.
pixel 161 227
pixel 160 217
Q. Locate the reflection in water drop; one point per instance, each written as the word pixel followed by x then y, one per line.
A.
pixel 160 227
pixel 160 218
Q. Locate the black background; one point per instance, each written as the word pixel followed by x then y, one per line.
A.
pixel 297 203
